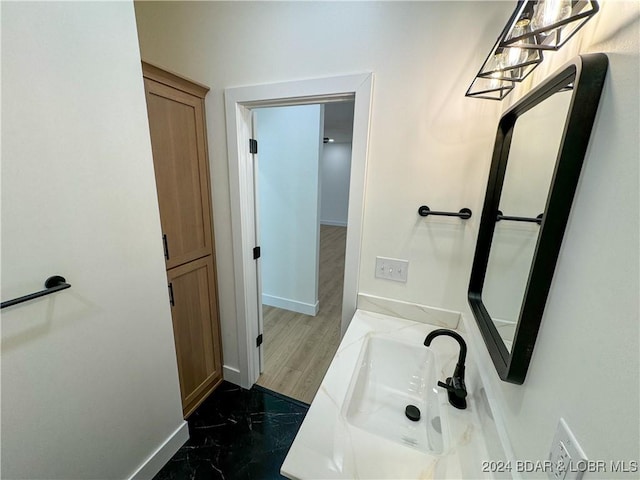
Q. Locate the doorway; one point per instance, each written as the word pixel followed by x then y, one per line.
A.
pixel 302 191
pixel 239 103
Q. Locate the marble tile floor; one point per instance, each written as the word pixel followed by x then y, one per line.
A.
pixel 237 434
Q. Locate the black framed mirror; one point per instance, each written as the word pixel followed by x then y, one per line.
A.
pixel 538 154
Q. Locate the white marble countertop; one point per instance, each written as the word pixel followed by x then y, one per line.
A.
pixel 329 447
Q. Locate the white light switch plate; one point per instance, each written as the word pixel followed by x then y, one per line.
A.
pixel 392 269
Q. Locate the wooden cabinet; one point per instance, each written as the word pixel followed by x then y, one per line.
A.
pixel 178 139
pixel 194 304
pixel 176 121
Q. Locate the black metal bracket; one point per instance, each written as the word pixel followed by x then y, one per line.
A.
pixel 464 213
pixel 52 284
pixel 537 220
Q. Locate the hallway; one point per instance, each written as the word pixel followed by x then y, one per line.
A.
pixel 298 348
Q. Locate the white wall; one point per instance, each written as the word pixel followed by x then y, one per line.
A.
pixel 429 144
pixel 289 149
pixel 89 378
pixel 335 172
pixel 585 364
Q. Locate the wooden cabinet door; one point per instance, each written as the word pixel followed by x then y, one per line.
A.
pixel 196 330
pixel 177 125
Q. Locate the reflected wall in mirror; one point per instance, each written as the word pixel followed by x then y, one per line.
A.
pixel 539 149
pixel 532 157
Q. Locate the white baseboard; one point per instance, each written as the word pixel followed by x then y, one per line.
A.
pixel 163 454
pixel 333 223
pixel 231 375
pixel 293 305
pixel 409 311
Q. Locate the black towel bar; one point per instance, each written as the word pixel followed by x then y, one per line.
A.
pixel 464 213
pixel 51 284
pixel 537 220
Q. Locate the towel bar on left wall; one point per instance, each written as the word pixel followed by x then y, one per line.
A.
pixel 52 284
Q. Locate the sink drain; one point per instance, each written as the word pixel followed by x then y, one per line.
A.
pixel 412 412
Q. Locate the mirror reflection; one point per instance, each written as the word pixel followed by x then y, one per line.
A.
pixel 532 158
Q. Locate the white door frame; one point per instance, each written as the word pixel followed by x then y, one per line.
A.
pixel 238 104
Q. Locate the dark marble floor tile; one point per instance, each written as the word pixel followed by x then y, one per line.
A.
pixel 237 434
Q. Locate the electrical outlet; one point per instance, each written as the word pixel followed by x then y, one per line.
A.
pixel 566 456
pixel 392 269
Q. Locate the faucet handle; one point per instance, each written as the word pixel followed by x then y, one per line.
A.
pixel 456 390
pixel 455 386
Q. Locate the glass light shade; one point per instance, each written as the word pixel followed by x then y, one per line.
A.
pixel 516 61
pixel 551 23
pixel 549 12
pixel 510 63
pixel 489 88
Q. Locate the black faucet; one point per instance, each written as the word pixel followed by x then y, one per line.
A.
pixel 455 385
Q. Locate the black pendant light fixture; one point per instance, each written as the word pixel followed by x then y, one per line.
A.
pixel 534 26
pixel 551 22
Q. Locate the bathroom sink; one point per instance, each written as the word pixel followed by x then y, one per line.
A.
pixel 391 374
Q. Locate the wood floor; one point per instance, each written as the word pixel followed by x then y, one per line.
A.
pixel 298 348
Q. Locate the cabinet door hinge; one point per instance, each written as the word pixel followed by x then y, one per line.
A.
pixel 253 145
pixel 256 253
pixel 259 340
